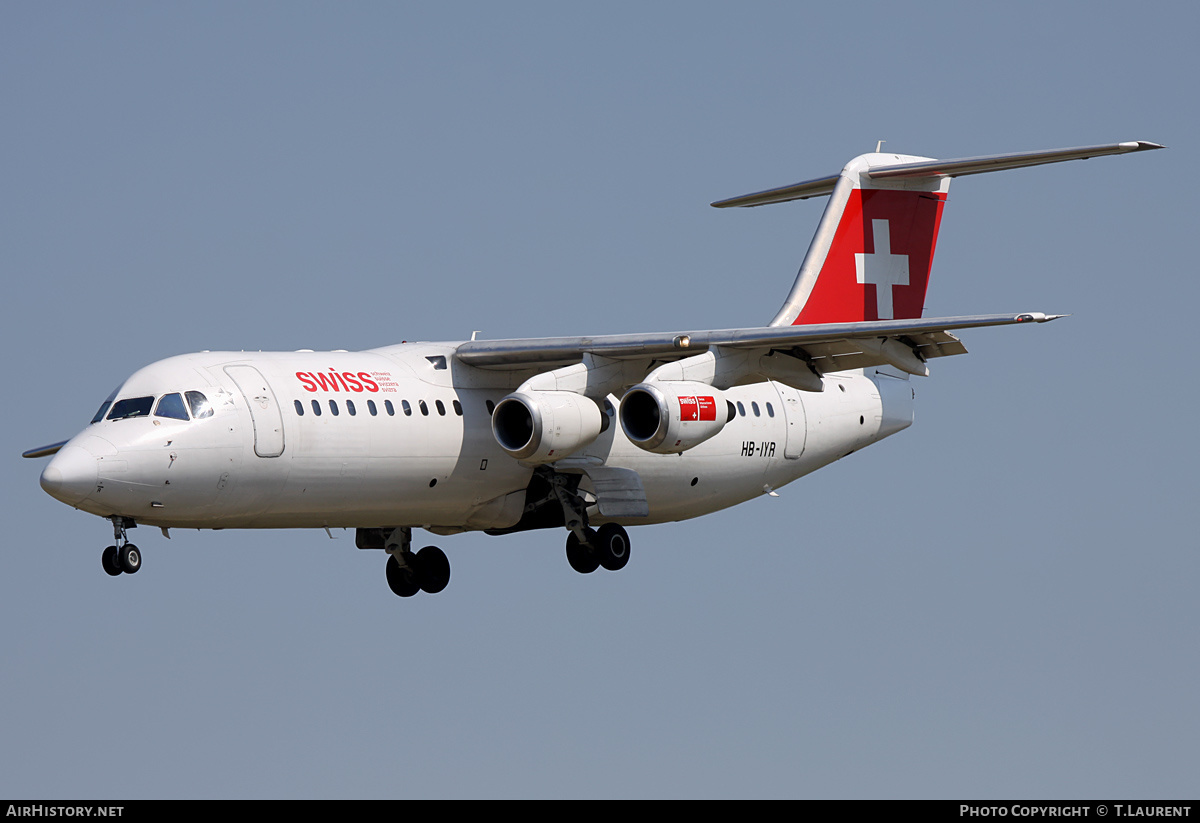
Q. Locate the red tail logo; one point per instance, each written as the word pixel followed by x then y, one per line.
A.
pixel 878 264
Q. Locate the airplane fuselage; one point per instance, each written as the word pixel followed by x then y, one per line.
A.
pixel 402 436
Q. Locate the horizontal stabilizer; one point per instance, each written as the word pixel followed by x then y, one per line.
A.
pixel 936 168
pixel 1003 162
pixel 797 191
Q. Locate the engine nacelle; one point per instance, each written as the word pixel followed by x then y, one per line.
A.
pixel 544 426
pixel 669 417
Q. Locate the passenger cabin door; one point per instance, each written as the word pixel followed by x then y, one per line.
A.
pixel 797 423
pixel 264 410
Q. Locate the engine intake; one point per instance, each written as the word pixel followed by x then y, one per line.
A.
pixel 670 417
pixel 544 426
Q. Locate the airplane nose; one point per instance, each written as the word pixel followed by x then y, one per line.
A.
pixel 71 475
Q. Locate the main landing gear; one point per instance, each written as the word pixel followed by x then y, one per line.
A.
pixel 409 572
pixel 588 549
pixel 124 556
pixel 608 547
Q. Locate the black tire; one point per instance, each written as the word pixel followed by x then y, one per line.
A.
pixel 402 582
pixel 131 558
pixel 433 569
pixel 111 561
pixel 612 547
pixel 582 556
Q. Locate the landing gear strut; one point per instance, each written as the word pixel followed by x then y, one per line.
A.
pixel 581 554
pixel 124 556
pixel 588 549
pixel 408 573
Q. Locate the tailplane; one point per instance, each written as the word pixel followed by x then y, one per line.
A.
pixel 871 255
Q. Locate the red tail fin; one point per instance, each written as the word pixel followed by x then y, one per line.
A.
pixel 877 266
pixel 873 249
pixel 870 257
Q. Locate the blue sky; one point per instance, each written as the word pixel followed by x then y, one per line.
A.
pixel 998 602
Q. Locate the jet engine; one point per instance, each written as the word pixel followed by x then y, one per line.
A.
pixel 673 416
pixel 543 426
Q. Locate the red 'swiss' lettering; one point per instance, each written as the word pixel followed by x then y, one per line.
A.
pixel 328 382
pixel 346 381
pixel 697 408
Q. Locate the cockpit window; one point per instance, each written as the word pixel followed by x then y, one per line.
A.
pixel 171 405
pixel 131 407
pixel 104 406
pixel 199 405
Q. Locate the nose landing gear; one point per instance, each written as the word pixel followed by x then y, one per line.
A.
pixel 124 556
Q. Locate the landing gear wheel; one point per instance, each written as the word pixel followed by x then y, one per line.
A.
pixel 401 581
pixel 582 556
pixel 612 547
pixel 111 561
pixel 131 558
pixel 433 569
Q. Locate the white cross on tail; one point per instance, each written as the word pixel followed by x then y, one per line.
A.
pixel 882 269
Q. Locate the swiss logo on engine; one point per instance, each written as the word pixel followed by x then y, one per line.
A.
pixel 697 408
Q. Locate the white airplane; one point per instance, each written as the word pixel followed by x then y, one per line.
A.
pixel 503 436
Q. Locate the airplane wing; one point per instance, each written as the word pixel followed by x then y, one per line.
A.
pixel 827 347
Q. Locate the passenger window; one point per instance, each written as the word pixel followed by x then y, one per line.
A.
pixel 770 411
pixel 754 408
pixel 457 407
pixel 391 410
pixel 424 408
pixel 407 408
pixel 199 405
pixel 299 408
pixel 741 409
pixel 371 408
pixel 350 408
pixel 440 407
pixel 333 409
pixel 131 407
pixel 171 405
pixel 316 408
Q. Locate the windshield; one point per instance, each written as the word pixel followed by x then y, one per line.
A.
pixel 171 405
pixel 131 407
pixel 104 406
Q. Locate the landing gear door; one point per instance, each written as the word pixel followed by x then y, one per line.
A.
pixel 264 410
pixel 797 423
